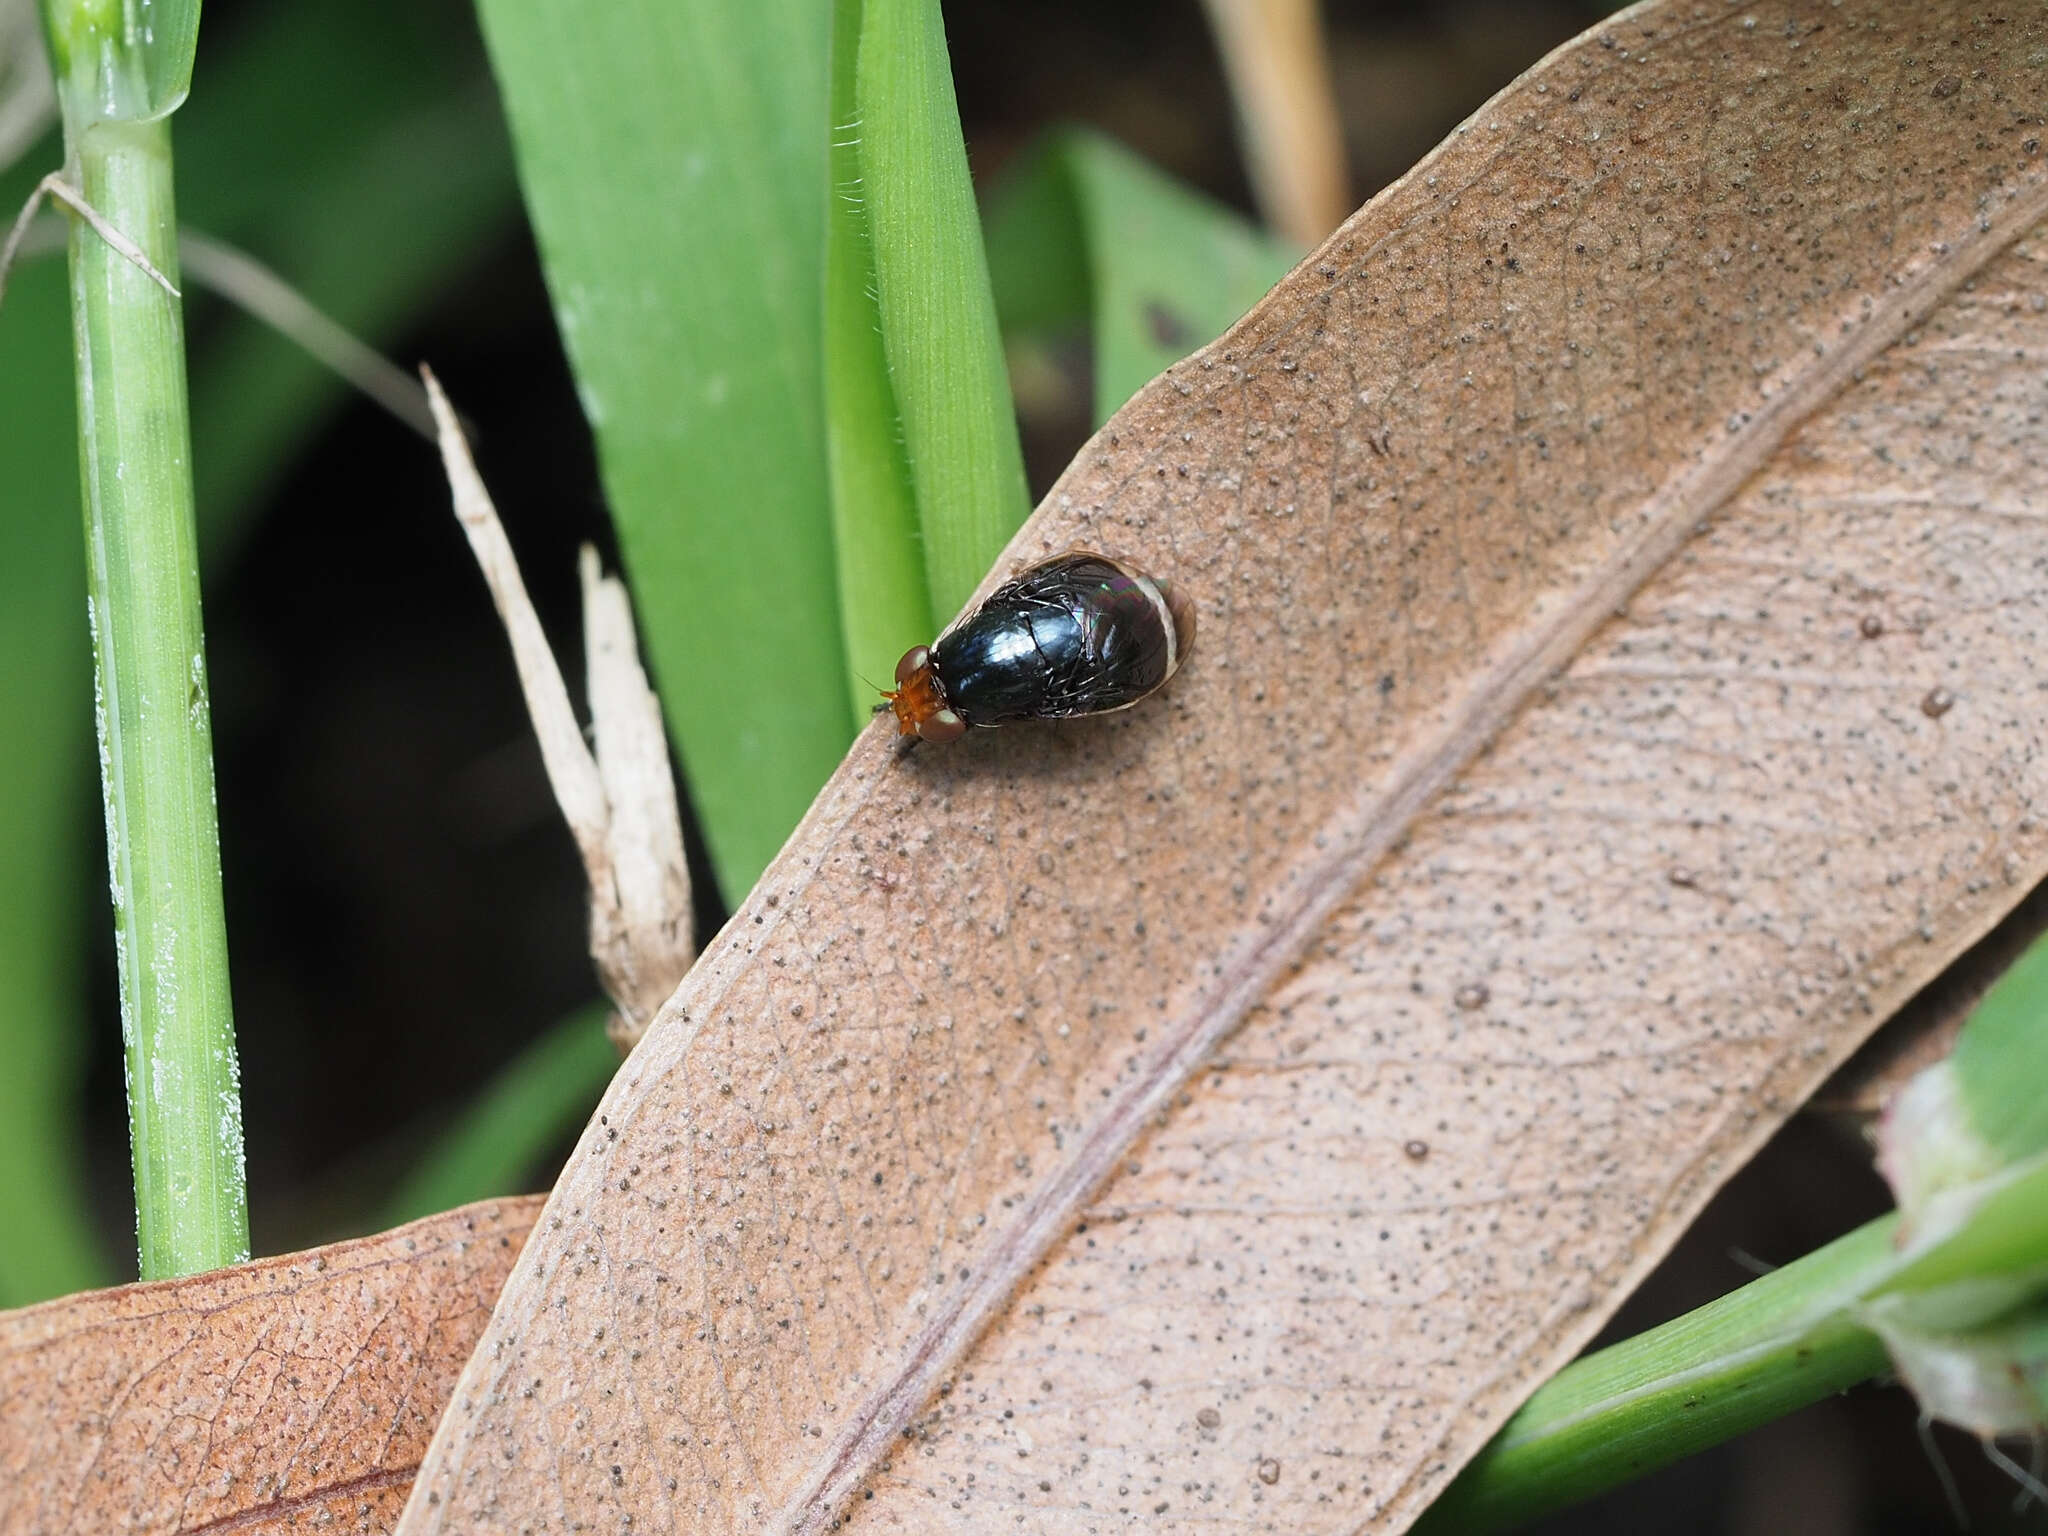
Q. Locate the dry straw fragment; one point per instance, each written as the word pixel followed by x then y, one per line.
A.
pixel 620 802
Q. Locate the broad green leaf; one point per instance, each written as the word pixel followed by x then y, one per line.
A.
pixel 1085 231
pixel 674 162
pixel 938 321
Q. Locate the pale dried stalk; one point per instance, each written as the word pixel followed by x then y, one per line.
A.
pixel 1279 71
pixel 259 292
pixel 620 803
pixel 645 923
pixel 58 190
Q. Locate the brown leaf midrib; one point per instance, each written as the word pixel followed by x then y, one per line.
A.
pixel 281 1510
pixel 1365 835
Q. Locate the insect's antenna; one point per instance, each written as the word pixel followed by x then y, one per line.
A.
pixel 884 706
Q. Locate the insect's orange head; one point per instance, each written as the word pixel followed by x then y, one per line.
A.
pixel 919 700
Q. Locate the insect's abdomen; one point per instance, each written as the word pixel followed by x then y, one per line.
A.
pixel 1072 637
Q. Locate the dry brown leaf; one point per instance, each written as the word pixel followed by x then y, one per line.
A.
pixel 295 1393
pixel 1620 564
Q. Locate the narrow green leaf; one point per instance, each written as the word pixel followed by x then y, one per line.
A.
pixel 533 1103
pixel 884 604
pixel 1779 1342
pixel 45 766
pixel 1085 231
pixel 170 38
pixel 1948 1133
pixel 938 320
pixel 2001 1231
pixel 131 58
pixel 674 161
pixel 2001 1061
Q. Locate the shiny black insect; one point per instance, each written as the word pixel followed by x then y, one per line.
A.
pixel 1079 634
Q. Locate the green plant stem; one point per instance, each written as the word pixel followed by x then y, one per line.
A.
pixel 154 722
pixel 1783 1341
pixel 1665 1394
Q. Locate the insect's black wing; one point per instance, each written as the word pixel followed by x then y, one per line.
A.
pixel 1078 634
pixel 1100 631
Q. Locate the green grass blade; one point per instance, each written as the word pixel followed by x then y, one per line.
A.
pixel 1085 231
pixel 1780 1342
pixel 170 33
pixel 156 735
pixel 533 1103
pixel 884 602
pixel 2003 1234
pixel 138 52
pixel 938 320
pixel 674 163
